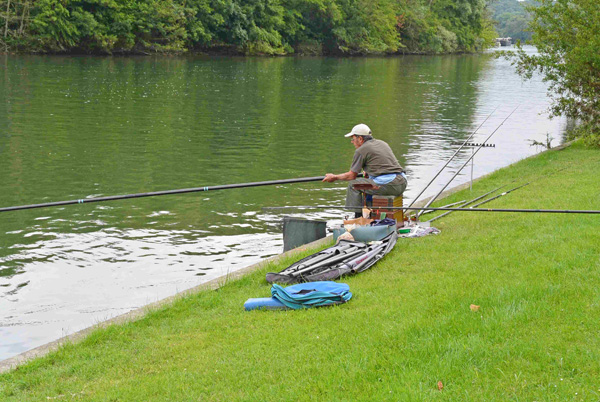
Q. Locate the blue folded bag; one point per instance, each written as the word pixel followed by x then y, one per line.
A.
pixel 302 295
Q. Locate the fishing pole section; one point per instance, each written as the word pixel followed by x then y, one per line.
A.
pixel 464 144
pixel 480 146
pixel 88 200
pixel 551 211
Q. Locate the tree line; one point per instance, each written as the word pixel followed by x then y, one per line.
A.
pixel 566 34
pixel 269 27
pixel 512 18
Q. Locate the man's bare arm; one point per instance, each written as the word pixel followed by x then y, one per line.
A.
pixel 330 177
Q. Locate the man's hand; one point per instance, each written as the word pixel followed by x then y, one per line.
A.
pixel 330 178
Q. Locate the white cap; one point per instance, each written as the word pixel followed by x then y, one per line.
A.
pixel 359 129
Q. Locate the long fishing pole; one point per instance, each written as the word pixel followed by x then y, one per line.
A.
pixel 452 157
pixel 468 160
pixel 445 206
pixel 493 198
pixel 499 195
pixel 482 202
pixel 467 203
pixel 166 192
pixel 549 211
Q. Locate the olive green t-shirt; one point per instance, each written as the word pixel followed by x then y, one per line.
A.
pixel 375 157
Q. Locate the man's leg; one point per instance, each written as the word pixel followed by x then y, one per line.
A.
pixel 353 197
pixel 396 187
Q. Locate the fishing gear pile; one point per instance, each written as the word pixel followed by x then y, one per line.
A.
pixel 346 257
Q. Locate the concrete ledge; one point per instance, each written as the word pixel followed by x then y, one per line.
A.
pixel 133 315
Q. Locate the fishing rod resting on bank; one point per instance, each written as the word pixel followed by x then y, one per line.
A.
pixel 166 192
pixel 549 211
pixel 432 199
pixel 490 199
pixel 446 206
pixel 452 157
pixel 467 203
pixel 482 202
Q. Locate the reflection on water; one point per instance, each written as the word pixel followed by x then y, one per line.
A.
pixel 72 127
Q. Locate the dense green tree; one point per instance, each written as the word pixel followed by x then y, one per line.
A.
pixel 14 16
pixel 345 26
pixel 567 36
pixel 52 25
pixel 312 23
pixel 366 26
pixel 252 26
pixel 511 18
pixel 201 21
pixel 108 26
pixel 514 26
pixel 247 26
pixel 444 26
pixel 463 18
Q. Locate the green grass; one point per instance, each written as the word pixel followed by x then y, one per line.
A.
pixel 408 326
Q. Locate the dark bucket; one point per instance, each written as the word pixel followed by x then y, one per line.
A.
pixel 299 231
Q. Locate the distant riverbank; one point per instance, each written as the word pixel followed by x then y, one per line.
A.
pixel 233 51
pixel 261 27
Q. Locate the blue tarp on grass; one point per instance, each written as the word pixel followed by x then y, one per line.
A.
pixel 302 295
pixel 312 294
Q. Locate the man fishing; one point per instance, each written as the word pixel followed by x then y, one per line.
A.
pixel 376 159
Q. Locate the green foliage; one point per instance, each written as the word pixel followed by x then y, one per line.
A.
pixel 488 35
pixel 351 27
pixel 421 31
pixel 463 18
pixel 53 26
pixel 14 23
pixel 589 134
pixel 512 18
pixel 366 26
pixel 514 26
pixel 566 34
pixel 250 26
pixel 200 22
pixel 108 26
pixel 446 26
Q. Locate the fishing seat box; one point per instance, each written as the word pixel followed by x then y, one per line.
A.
pixel 379 204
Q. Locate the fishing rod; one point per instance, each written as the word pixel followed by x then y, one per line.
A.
pixel 432 199
pixel 452 157
pixel 467 203
pixel 477 199
pixel 445 206
pixel 493 198
pixel 500 195
pixel 550 211
pixel 166 192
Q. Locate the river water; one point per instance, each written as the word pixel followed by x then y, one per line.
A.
pixel 76 127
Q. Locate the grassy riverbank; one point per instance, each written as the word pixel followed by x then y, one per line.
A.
pixel 536 278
